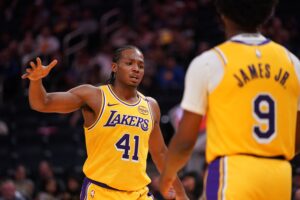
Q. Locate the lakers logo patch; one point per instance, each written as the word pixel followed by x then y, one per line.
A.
pixel 143 110
pixel 92 194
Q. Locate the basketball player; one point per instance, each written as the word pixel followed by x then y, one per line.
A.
pixel 120 125
pixel 249 89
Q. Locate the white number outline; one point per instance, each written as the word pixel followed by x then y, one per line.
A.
pixel 264 121
pixel 136 144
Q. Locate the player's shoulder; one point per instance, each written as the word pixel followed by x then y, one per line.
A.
pixel 292 57
pixel 148 99
pixel 86 89
pixel 204 63
pixel 151 100
pixel 90 87
pixel 205 57
pixel 153 105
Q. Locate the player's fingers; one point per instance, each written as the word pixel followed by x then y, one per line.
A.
pixel 38 61
pixel 52 64
pixel 24 76
pixel 32 64
pixel 28 70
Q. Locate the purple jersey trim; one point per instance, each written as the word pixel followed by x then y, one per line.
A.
pixel 84 189
pixel 121 101
pixel 213 180
pixel 259 44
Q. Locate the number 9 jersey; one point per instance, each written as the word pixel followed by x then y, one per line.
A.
pixel 253 109
pixel 249 89
pixel 117 143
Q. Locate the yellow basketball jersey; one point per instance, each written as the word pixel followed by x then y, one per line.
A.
pixel 117 143
pixel 253 109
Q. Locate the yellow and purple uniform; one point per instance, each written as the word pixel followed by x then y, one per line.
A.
pixel 251 109
pixel 117 149
pixel 251 118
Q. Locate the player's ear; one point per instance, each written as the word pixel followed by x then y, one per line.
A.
pixel 114 67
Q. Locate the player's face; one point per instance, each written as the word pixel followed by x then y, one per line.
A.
pixel 130 68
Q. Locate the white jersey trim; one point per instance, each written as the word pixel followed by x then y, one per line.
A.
pixel 296 63
pixel 203 75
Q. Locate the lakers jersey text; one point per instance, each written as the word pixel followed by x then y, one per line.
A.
pixel 117 143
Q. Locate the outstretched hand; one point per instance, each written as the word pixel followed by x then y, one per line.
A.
pixel 37 70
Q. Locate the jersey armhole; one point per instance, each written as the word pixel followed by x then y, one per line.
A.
pixel 151 112
pixel 101 110
pixel 220 55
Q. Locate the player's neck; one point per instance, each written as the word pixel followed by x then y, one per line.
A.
pixel 232 29
pixel 231 33
pixel 125 93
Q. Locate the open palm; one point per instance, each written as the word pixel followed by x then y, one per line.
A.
pixel 38 71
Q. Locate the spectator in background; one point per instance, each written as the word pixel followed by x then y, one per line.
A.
pixel 81 65
pixel 297 194
pixel 47 43
pixel 23 184
pixel 102 60
pixel 88 24
pixel 171 75
pixel 3 128
pixel 46 174
pixel 27 48
pixel 51 190
pixel 296 182
pixel 8 191
pixel 73 188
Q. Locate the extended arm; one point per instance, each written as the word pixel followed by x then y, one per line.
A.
pixel 158 150
pixel 60 102
pixel 180 149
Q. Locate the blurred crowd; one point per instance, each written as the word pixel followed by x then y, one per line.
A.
pixel 82 36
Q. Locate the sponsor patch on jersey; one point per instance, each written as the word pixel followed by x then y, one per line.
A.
pixel 143 110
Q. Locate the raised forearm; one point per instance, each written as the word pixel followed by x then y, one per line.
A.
pixel 37 95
